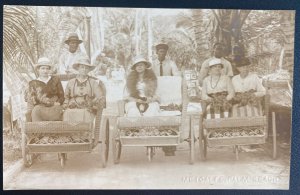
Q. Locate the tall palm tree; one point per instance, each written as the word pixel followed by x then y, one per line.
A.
pixel 31 32
pixel 19 43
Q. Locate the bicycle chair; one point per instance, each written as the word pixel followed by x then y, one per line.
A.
pixel 237 126
pixel 176 94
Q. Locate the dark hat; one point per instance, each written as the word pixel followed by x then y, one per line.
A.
pixel 218 43
pixel 239 62
pixel 162 46
pixel 73 37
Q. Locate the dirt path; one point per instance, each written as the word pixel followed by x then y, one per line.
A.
pixel 254 170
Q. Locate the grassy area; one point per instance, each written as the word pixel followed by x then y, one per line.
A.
pixel 12 150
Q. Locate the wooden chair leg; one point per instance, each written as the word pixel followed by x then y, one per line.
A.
pixel 201 137
pixel 274 135
pixel 236 152
pixel 205 149
pixel 192 141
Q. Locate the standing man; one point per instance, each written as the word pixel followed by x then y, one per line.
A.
pixel 163 66
pixel 68 58
pixel 218 52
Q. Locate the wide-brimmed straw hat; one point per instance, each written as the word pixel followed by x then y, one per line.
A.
pixel 139 59
pixel 73 37
pixel 215 61
pixel 83 60
pixel 43 61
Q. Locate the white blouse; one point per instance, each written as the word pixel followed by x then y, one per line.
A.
pixel 223 84
pixel 140 86
pixel 250 82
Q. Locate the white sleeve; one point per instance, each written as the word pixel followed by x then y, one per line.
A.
pixel 174 68
pixel 260 90
pixel 204 90
pixel 61 65
pixel 230 72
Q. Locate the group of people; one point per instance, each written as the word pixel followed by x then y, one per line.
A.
pixel 223 94
pixel 48 101
pixel 141 82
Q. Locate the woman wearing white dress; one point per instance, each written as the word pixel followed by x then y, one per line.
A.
pixel 217 91
pixel 141 85
pixel 249 91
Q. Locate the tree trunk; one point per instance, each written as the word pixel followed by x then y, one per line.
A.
pixel 288 27
pixel 150 38
pixel 229 30
pixel 202 39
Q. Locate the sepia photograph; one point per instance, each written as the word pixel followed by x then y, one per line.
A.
pixel 147 98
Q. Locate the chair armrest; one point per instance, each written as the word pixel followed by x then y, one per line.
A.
pixel 121 107
pixel 103 92
pixel 65 77
pixel 265 102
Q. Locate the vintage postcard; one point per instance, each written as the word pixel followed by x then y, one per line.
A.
pixel 100 98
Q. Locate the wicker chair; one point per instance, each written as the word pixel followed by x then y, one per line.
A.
pixel 29 129
pixel 149 141
pixel 237 126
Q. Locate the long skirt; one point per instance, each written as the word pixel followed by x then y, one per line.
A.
pixel 78 115
pixel 212 113
pixel 247 111
pixel 132 110
pixel 44 113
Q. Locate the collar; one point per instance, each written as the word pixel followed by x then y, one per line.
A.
pixel 39 79
pixel 165 60
pixel 81 81
pixel 75 53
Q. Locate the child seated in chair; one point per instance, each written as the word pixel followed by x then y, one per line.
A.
pixel 141 85
pixel 249 91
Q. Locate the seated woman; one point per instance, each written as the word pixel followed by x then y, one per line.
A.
pixel 141 85
pixel 249 90
pixel 217 91
pixel 45 94
pixel 83 96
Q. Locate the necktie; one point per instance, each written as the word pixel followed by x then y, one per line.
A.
pixel 161 69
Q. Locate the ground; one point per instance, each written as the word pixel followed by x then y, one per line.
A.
pixel 254 170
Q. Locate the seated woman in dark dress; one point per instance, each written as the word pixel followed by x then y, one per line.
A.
pixel 45 94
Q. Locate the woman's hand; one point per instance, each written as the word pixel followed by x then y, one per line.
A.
pixel 149 100
pixel 65 106
pixel 56 104
pixel 208 99
pixel 228 97
pixel 140 101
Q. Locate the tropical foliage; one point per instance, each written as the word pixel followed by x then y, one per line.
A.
pixel 32 32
